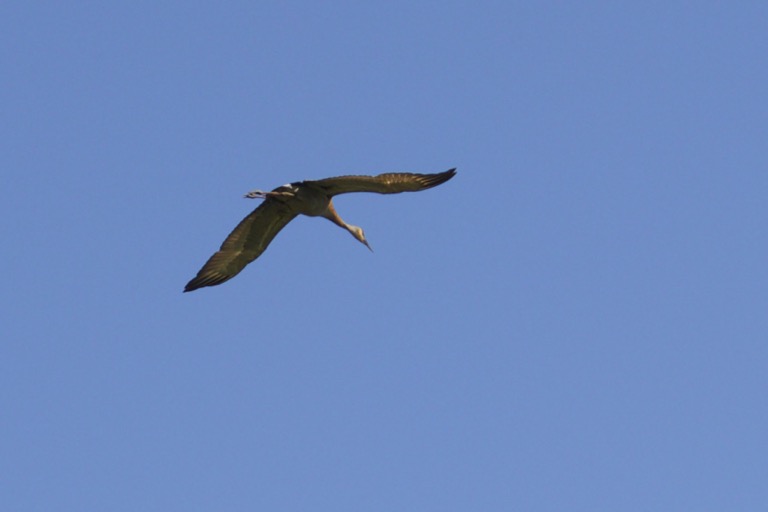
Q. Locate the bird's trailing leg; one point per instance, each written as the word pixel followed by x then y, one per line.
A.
pixel 260 194
pixel 256 194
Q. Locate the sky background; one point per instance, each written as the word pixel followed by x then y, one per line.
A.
pixel 577 321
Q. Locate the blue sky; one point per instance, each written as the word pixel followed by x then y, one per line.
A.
pixel 577 321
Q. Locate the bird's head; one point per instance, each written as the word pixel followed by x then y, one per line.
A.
pixel 358 233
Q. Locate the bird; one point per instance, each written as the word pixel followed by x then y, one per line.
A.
pixel 313 198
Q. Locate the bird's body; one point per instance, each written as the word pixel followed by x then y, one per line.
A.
pixel 312 198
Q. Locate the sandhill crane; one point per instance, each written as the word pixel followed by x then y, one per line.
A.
pixel 313 198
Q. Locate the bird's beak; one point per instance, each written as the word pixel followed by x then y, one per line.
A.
pixel 367 245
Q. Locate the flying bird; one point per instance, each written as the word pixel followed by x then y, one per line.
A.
pixel 312 198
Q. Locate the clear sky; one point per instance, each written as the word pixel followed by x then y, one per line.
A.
pixel 577 321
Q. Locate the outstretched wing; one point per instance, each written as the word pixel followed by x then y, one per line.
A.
pixel 244 244
pixel 391 183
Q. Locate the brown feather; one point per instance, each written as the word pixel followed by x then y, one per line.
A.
pixel 244 244
pixel 389 183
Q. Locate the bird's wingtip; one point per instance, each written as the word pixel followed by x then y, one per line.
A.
pixel 194 284
pixel 207 279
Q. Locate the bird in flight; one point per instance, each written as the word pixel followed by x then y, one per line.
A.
pixel 312 198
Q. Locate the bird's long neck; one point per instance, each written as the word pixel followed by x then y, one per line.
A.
pixel 355 231
pixel 331 214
